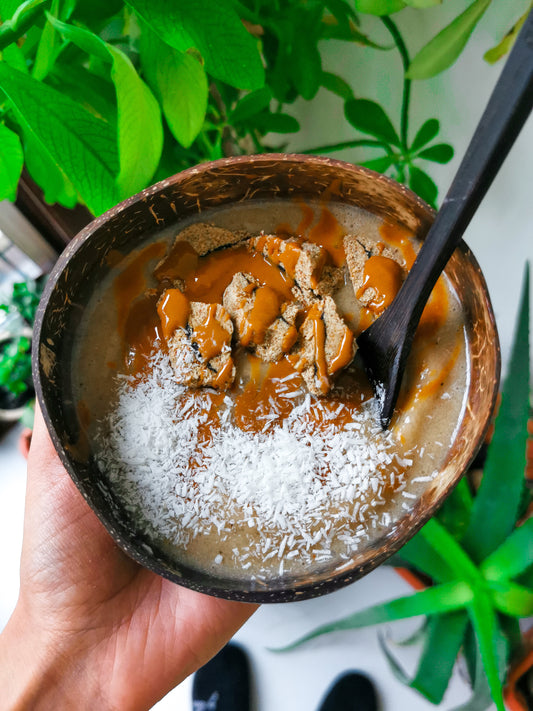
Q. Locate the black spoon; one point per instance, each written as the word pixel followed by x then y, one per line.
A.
pixel 385 345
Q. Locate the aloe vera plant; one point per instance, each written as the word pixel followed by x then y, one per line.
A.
pixel 478 553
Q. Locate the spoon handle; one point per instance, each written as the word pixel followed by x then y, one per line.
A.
pixel 508 108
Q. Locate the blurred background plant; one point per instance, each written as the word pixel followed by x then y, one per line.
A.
pixel 474 560
pixel 98 99
pixel 16 386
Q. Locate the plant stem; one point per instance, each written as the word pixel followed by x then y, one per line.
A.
pixel 12 30
pixel 346 144
pixel 406 98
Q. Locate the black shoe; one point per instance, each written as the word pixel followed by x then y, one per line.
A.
pixel 352 691
pixel 223 684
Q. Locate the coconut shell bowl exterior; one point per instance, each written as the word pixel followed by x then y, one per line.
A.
pixel 84 264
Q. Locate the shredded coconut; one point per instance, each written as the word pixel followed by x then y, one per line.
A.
pixel 293 495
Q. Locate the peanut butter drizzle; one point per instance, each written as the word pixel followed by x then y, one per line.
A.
pixel 385 276
pixel 173 310
pixel 132 281
pixel 216 270
pixel 366 319
pixel 429 384
pixel 344 354
pixel 180 262
pixel 284 253
pixel 142 331
pixel 265 311
pixel 319 338
pixel 266 394
pixel 329 234
pixel 308 216
pixel 436 309
pixel 210 336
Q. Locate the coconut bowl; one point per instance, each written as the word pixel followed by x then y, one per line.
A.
pixel 84 264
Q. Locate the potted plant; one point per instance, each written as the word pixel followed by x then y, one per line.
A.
pixel 163 86
pixel 473 565
pixel 16 386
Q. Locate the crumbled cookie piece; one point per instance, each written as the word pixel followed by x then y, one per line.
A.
pixel 198 337
pixel 304 262
pixel 325 345
pixel 205 238
pixel 265 324
pixel 375 282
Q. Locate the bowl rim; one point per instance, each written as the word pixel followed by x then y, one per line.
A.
pixel 309 589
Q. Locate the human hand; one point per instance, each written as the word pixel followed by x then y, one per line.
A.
pixel 92 628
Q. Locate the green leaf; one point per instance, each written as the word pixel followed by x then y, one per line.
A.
pixel 422 555
pixel 380 165
pixel 425 134
pixel 455 513
pixel 8 9
pixel 379 7
pixel 140 131
pixel 514 555
pixel 442 51
pixel 422 3
pixel 305 65
pixel 497 501
pixel 46 49
pixel 336 85
pixel 11 162
pixel 481 698
pixel 512 599
pixel 250 105
pixel 77 142
pixel 439 654
pixel 14 56
pixel 492 646
pixel 451 552
pixel 180 83
pixel 433 600
pixel 438 153
pixel 230 53
pixel 275 123
pixel 422 185
pixel 502 48
pixel 369 117
pixel 55 185
pixel 91 91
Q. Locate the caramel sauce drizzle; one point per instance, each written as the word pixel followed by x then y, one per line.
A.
pixel 265 310
pixel 180 262
pixel 173 311
pixel 344 354
pixel 385 276
pixel 329 234
pixel 130 283
pixel 216 270
pixel 319 338
pixel 142 332
pixel 210 336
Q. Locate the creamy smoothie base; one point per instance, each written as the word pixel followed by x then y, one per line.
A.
pixel 263 475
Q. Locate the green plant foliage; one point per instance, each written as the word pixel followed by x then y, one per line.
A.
pixel 494 54
pixel 140 132
pixel 443 50
pixel 120 93
pixel 11 162
pixel 15 365
pixel 480 564
pixel 78 143
pixel 179 81
pixel 215 29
